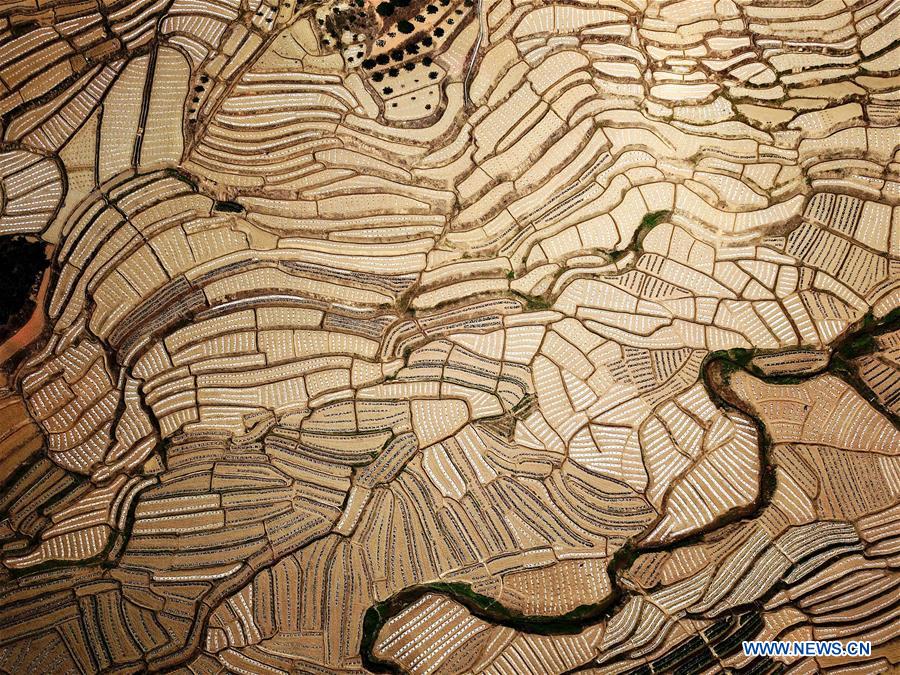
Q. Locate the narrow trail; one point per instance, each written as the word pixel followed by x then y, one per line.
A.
pixel 33 328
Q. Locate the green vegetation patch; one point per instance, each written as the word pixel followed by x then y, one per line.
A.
pixel 648 222
pixel 654 218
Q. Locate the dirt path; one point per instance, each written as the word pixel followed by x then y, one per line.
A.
pixel 36 322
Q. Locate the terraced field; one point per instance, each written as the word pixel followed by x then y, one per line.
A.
pixel 451 336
